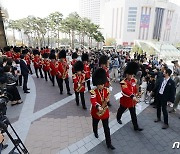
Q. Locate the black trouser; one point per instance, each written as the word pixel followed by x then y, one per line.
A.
pixel 132 112
pixel 162 104
pixel 25 82
pixel 40 70
pixel 82 98
pixel 88 84
pixel 29 67
pixel 105 123
pixel 46 73
pixel 13 91
pixel 19 81
pixel 52 79
pixel 60 84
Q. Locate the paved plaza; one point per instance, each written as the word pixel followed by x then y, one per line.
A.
pixel 50 123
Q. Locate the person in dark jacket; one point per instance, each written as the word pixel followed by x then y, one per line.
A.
pixel 11 86
pixel 166 91
pixel 24 72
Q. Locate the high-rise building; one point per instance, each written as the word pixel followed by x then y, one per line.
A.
pixel 128 20
pixel 91 9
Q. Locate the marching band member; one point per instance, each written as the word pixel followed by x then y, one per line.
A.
pixel 87 70
pixel 79 83
pixel 37 63
pixel 53 67
pixel 28 60
pixel 103 63
pixel 129 92
pixel 99 111
pixel 74 57
pixel 63 68
pixel 46 66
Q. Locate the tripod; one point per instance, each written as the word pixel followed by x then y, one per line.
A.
pixel 18 144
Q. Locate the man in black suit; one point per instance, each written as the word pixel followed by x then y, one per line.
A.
pixel 24 72
pixel 166 91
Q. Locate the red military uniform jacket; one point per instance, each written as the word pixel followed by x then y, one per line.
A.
pixel 16 56
pixel 129 90
pixel 63 69
pixel 47 51
pixel 96 100
pixel 37 61
pixel 79 81
pixel 87 71
pixel 42 52
pixel 28 59
pixel 107 84
pixel 9 54
pixel 46 65
pixel 72 63
pixel 54 67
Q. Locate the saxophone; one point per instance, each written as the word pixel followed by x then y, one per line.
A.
pixel 65 72
pixel 80 86
pixel 104 106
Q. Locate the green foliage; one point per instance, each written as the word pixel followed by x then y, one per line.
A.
pixel 42 31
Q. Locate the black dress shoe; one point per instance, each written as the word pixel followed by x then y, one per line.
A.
pixel 77 104
pixel 119 121
pixel 26 92
pixel 96 135
pixel 157 120
pixel 111 147
pixel 28 89
pixel 85 108
pixel 138 129
pixel 69 93
pixel 165 126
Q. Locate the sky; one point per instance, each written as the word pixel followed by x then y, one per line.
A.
pixel 41 8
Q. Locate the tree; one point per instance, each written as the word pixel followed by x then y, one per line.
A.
pixel 110 42
pixel 71 25
pixel 55 20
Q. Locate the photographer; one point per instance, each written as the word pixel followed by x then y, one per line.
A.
pixel 11 85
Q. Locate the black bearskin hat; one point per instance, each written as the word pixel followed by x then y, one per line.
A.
pixel 74 55
pixel 99 77
pixel 78 66
pixel 52 56
pixel 24 51
pixel 103 60
pixel 131 68
pixel 17 49
pixel 62 54
pixel 6 49
pixel 85 57
pixel 36 52
pixel 45 55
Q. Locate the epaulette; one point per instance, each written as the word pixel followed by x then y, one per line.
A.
pixel 123 84
pixel 92 92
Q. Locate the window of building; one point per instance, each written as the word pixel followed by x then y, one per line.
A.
pixel 132 14
pixel 132 8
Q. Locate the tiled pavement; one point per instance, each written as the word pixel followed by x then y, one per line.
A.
pixel 51 123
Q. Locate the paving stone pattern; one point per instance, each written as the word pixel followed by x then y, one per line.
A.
pixel 152 140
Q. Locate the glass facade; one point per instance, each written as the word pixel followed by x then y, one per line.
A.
pixel 132 14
